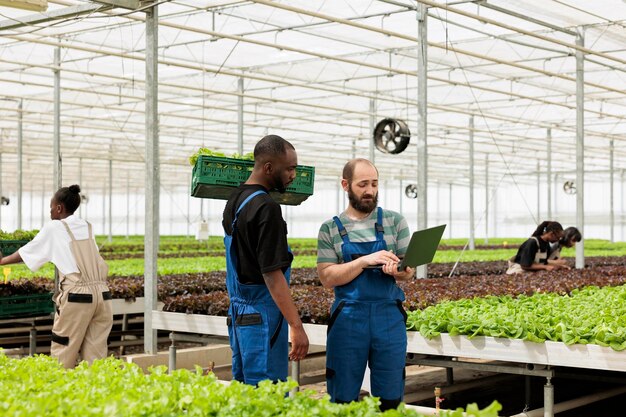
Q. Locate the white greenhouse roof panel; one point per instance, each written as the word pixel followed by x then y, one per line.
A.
pixel 311 72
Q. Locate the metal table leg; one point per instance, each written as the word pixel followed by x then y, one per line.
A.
pixel 295 375
pixel 449 376
pixel 32 341
pixel 548 399
pixel 172 356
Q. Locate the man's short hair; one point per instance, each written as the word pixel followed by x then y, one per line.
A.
pixel 348 168
pixel 270 147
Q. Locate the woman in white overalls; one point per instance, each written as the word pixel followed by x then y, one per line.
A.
pixel 571 236
pixel 533 254
pixel 83 318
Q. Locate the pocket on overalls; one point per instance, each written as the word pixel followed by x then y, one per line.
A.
pixel 252 332
pixel 249 319
pixel 80 298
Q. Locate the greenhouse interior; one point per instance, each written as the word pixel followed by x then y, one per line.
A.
pixel 440 184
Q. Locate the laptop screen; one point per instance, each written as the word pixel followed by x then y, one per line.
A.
pixel 422 248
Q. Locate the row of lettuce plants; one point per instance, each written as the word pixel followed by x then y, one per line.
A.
pixel 39 387
pixel 588 315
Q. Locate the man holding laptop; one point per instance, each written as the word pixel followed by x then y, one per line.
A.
pixel 359 253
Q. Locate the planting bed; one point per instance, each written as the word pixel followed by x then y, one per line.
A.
pixel 187 292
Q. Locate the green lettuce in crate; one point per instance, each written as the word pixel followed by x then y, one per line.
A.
pixel 206 151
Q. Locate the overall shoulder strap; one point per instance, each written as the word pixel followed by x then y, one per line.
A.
pixel 538 244
pixel 69 232
pixel 380 230
pixel 89 230
pixel 342 230
pixel 242 205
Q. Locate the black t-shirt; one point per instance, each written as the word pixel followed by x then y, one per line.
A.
pixel 261 238
pixel 526 253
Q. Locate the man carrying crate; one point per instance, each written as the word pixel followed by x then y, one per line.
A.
pixel 258 262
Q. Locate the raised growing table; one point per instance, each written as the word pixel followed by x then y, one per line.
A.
pixel 538 357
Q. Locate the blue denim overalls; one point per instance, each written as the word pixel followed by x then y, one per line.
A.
pixel 367 324
pixel 256 328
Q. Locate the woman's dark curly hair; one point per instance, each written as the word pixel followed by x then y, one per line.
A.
pixel 69 197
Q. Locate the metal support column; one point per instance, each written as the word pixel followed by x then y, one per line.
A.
pixel 494 207
pixel 171 217
pixel 401 193
pixel 372 126
pixel 549 171
pixel 621 222
pixel 611 185
pixel 127 205
pixel 104 208
pixel 188 208
pixel 80 183
pixel 31 202
pixel 556 195
pixel 622 204
pixel 20 171
pixel 450 211
pixel 56 143
pixel 472 242
pixel 580 148
pixel 386 196
pixel 240 116
pixel 422 132
pixel 56 140
pixel 437 215
pixel 110 238
pixel 151 242
pixel 539 193
pixel 487 199
pixel 43 203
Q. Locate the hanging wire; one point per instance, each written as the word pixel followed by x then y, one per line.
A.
pixel 500 152
pixel 203 97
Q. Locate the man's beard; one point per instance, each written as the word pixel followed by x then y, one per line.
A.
pixel 359 205
pixel 278 184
